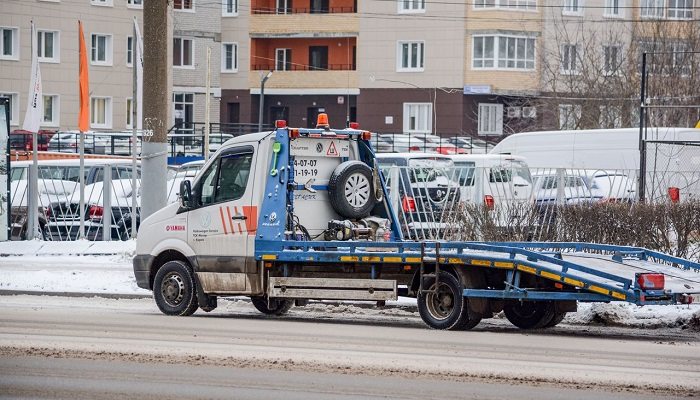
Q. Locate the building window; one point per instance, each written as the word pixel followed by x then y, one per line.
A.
pixel 652 8
pixel 14 107
pixel 610 117
pixel 183 105
pixel 411 6
pixel 101 53
pixel 572 7
pixel 410 57
pixel 229 8
pixel 9 43
pixel 48 46
pixel 612 9
pixel 182 52
pixel 417 117
pixel 183 5
pixel 283 6
pixel 528 5
pixel 490 119
pixel 100 112
pixel 134 3
pixel 129 50
pixel 51 110
pixel 229 57
pixel 514 52
pixel 680 9
pixel 612 62
pixel 570 59
pixel 106 3
pixel 283 59
pixel 681 60
pixel 129 103
pixel 569 115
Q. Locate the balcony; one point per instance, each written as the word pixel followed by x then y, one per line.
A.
pixel 313 18
pixel 331 81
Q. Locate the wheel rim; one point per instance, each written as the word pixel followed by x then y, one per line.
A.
pixel 441 302
pixel 357 190
pixel 525 310
pixel 173 289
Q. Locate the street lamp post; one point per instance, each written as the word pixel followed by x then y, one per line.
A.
pixel 262 99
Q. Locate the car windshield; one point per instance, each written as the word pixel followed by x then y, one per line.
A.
pixel 18 173
pixel 428 170
pixel 464 173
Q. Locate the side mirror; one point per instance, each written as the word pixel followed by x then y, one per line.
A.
pixel 185 194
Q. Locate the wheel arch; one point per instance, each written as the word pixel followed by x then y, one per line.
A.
pixel 162 258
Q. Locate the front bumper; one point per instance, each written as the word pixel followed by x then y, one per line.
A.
pixel 142 270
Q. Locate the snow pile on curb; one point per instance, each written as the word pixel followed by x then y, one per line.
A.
pixel 623 314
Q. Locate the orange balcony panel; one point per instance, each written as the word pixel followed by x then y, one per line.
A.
pixel 303 7
pixel 337 54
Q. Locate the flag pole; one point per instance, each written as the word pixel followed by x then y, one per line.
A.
pixel 83 121
pixel 32 123
pixel 135 102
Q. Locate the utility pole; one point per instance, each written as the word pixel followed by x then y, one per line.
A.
pixel 156 99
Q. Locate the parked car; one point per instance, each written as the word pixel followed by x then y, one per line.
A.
pixel 69 142
pixel 420 191
pixel 548 190
pixel 612 186
pixel 57 183
pixel 22 140
pixel 404 143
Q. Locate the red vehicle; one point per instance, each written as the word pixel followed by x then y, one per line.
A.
pixel 21 140
pixel 449 149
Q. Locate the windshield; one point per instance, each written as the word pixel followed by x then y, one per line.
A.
pixel 428 170
pixel 464 173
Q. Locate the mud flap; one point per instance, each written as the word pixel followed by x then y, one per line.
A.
pixel 206 302
pixel 473 279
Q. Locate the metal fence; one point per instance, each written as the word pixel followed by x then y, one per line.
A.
pixel 672 170
pixel 432 202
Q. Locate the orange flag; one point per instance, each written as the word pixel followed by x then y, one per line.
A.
pixel 84 114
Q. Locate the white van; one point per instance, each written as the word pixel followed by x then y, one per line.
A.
pixel 592 149
pixel 492 179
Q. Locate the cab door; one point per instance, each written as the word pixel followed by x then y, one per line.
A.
pixel 222 225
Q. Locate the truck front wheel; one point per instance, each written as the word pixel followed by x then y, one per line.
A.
pixel 273 306
pixel 174 289
pixel 442 306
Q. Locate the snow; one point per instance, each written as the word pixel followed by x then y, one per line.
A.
pixel 104 268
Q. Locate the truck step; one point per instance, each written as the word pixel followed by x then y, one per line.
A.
pixel 332 289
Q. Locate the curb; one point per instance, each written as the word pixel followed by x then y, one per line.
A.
pixel 75 294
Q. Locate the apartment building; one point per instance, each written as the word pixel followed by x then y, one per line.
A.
pixel 108 28
pixel 483 68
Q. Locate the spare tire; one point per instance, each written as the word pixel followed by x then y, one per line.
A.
pixel 351 190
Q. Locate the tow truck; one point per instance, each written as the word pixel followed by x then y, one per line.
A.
pixel 293 215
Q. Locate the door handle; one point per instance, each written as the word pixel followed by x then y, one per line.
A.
pixel 243 217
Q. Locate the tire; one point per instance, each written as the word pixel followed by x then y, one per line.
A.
pixel 529 314
pixel 558 317
pixel 174 289
pixel 351 190
pixel 466 322
pixel 275 306
pixel 445 309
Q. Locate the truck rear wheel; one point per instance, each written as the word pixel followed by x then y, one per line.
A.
pixel 442 306
pixel 273 307
pixel 558 317
pixel 529 314
pixel 174 289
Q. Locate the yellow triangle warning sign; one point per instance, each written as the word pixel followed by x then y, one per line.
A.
pixel 332 151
